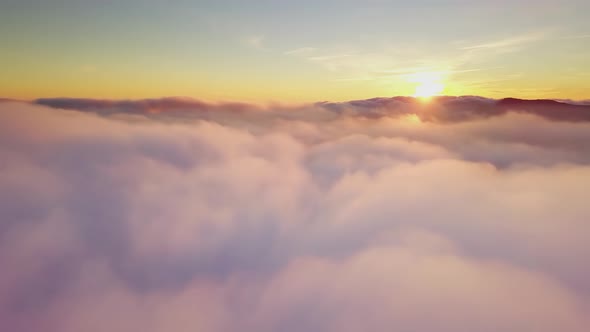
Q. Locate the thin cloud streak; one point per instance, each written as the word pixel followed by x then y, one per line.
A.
pixel 512 42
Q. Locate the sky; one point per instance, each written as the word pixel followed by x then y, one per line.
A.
pixel 293 51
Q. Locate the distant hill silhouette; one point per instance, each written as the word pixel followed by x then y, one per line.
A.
pixel 437 109
pixel 552 109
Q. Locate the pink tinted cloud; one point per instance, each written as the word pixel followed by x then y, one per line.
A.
pixel 313 219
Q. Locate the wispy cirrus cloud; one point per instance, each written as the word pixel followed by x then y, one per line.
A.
pixel 354 64
pixel 576 37
pixel 255 41
pixel 301 51
pixel 513 42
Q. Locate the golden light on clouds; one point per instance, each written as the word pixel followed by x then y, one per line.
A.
pixel 412 119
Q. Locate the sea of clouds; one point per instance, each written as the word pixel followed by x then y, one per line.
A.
pixel 454 215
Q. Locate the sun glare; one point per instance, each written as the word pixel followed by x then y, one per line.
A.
pixel 428 89
pixel 428 85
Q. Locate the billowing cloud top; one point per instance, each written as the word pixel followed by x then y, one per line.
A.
pixel 390 214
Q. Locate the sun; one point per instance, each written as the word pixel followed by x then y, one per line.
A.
pixel 428 89
pixel 428 85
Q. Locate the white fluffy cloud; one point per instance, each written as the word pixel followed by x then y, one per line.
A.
pixel 310 219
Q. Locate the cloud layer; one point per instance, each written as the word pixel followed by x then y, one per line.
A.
pixel 462 214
